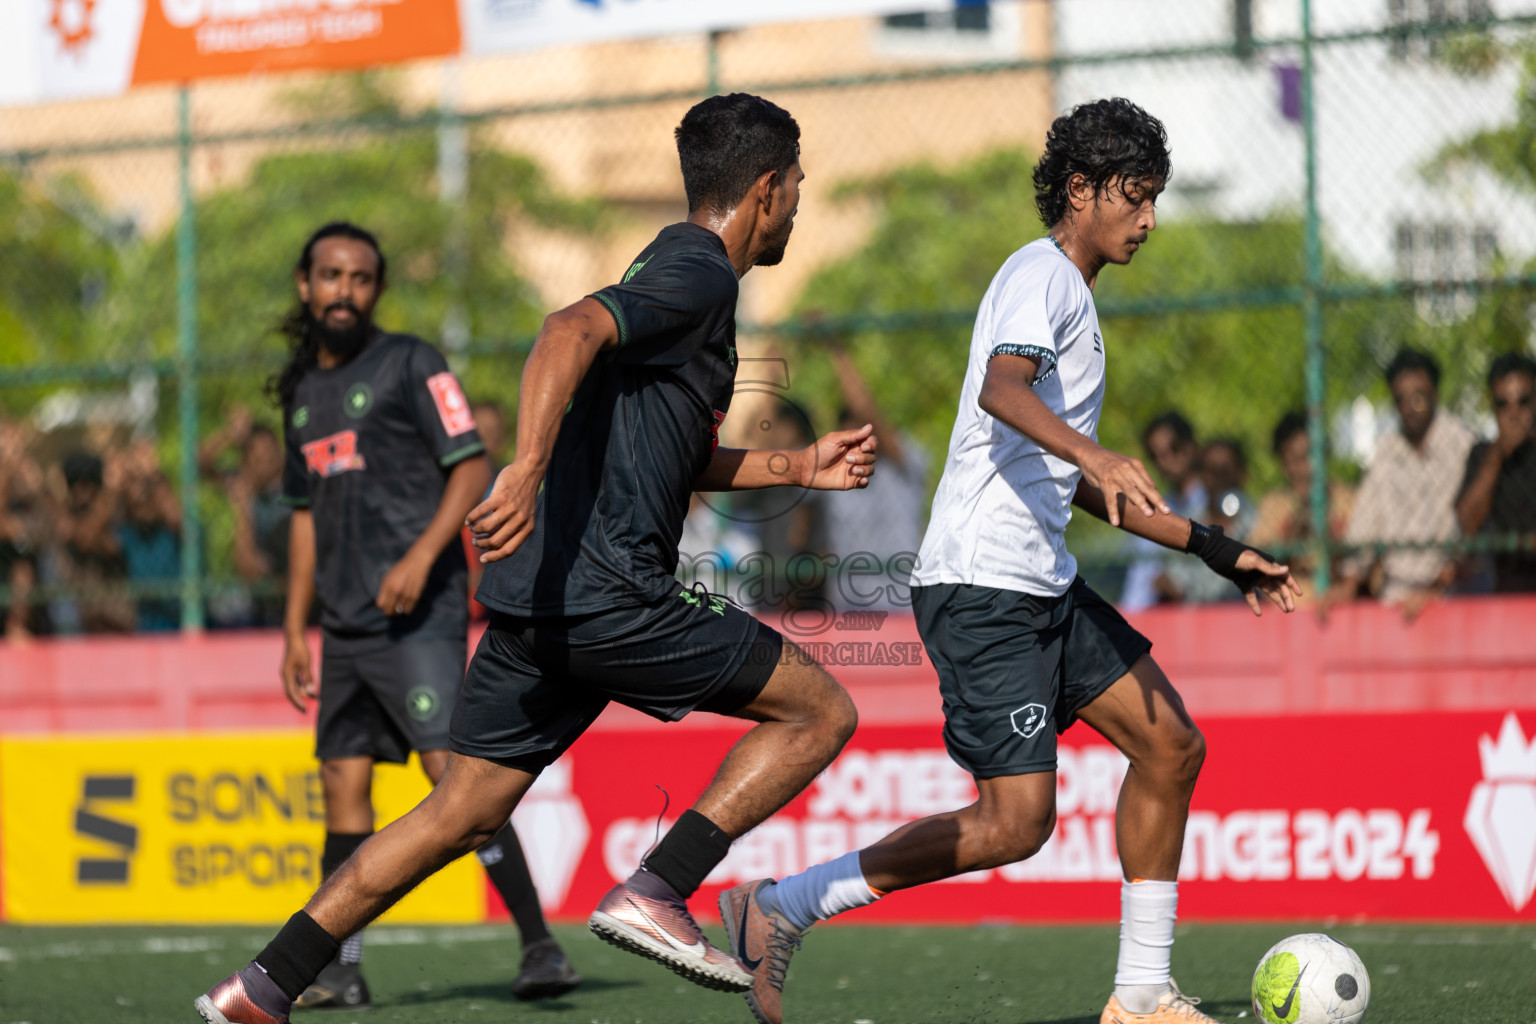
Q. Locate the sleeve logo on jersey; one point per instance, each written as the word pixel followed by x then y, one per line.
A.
pixel 452 407
pixel 714 430
pixel 335 454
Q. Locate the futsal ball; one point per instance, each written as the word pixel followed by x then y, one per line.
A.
pixel 1310 979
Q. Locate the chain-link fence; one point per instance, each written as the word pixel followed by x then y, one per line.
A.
pixel 1349 184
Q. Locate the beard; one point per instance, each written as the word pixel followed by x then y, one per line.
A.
pixel 779 242
pixel 344 343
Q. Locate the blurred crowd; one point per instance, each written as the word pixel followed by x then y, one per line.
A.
pixel 91 536
pixel 1429 483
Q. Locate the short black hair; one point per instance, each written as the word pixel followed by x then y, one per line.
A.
pixel 80 468
pixel 1233 445
pixel 1410 359
pixel 1508 363
pixel 1102 141
pixel 725 143
pixel 1291 424
pixel 1174 421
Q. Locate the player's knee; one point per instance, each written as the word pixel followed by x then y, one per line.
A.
pixel 344 783
pixel 1194 754
pixel 1180 755
pixel 465 829
pixel 841 716
pixel 1018 836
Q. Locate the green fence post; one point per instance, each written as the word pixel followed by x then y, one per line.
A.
pixel 712 63
pixel 186 373
pixel 1312 305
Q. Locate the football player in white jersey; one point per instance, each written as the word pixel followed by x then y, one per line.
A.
pixel 1021 645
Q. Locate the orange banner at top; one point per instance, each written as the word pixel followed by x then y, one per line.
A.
pixel 183 40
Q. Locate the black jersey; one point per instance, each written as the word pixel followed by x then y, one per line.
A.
pixel 369 447
pixel 642 426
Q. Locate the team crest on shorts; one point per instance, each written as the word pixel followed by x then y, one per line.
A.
pixel 422 703
pixel 1028 720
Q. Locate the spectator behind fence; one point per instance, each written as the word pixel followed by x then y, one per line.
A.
pixel 1223 475
pixel 1169 441
pixel 87 558
pixel 1498 491
pixel 885 523
pixel 1408 495
pixel 1284 515
pixel 149 539
pixel 25 522
pixel 787 571
pixel 260 541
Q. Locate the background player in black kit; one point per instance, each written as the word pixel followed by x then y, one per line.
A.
pixel 621 401
pixel 382 461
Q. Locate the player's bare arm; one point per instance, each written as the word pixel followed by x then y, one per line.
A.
pixel 562 354
pixel 402 586
pixel 839 461
pixel 1114 481
pixel 1270 578
pixel 298 678
pixel 1008 394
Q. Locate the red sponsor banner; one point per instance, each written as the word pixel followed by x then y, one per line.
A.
pixel 1408 816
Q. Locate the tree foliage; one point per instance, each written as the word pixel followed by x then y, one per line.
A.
pixel 1206 320
pixel 60 267
pixel 441 254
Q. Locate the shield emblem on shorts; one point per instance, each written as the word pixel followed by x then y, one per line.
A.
pixel 1028 720
pixel 422 703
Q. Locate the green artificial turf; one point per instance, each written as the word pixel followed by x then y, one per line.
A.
pixel 847 975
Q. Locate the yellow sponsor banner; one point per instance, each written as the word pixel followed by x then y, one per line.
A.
pixel 214 827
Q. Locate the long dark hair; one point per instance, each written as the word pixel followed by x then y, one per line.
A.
pixel 296 325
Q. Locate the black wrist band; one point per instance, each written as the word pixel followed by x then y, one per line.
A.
pixel 1199 533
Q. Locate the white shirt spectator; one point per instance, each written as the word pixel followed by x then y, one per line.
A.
pixel 1000 515
pixel 1408 496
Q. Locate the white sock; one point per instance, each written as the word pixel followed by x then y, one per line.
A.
pixel 352 950
pixel 1147 913
pixel 820 892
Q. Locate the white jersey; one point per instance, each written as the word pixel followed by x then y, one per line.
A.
pixel 1000 515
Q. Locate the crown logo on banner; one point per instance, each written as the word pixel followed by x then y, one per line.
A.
pixel 1501 817
pixel 1511 758
pixel 71 19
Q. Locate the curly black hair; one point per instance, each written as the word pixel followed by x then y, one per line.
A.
pixel 1103 141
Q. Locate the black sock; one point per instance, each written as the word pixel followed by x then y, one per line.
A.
pixel 688 852
pixel 338 847
pixel 504 862
pixel 295 958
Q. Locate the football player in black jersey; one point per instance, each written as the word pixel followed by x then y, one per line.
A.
pixel 382 462
pixel 618 423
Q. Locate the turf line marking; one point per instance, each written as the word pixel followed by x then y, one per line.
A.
pixel 185 944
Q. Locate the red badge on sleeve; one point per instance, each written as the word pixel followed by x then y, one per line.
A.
pixel 452 407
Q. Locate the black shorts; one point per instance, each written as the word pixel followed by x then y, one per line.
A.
pixel 385 698
pixel 536 683
pixel 1010 664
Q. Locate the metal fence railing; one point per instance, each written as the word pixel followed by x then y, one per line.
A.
pixel 1351 180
